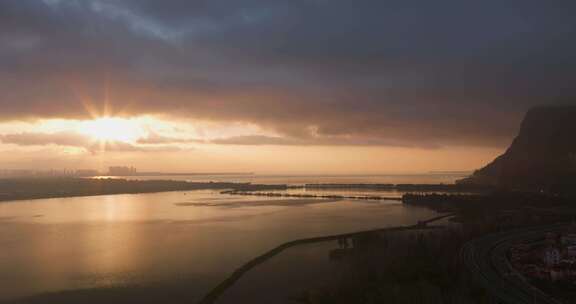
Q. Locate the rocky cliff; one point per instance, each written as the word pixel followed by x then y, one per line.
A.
pixel 542 156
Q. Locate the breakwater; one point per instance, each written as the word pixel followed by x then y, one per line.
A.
pixel 217 291
pixel 402 187
pixel 312 196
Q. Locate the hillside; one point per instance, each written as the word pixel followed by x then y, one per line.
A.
pixel 542 157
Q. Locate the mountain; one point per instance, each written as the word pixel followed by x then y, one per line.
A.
pixel 542 157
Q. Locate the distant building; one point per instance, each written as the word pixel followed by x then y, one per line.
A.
pixel 121 171
pixel 551 256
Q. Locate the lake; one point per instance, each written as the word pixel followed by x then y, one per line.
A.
pixel 173 244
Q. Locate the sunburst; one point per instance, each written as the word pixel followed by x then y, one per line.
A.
pixel 112 129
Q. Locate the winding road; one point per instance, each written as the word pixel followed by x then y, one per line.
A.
pixel 486 259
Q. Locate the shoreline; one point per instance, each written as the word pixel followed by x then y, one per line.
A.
pixel 45 188
pixel 314 196
pixel 19 189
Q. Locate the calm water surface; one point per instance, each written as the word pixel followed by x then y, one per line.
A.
pixel 178 242
pixel 431 178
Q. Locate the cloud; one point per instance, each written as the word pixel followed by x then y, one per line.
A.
pixel 259 140
pixel 41 139
pixel 155 138
pixel 412 73
pixel 118 146
pixel 72 139
pixel 255 140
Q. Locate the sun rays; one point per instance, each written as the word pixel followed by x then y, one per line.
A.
pixel 112 129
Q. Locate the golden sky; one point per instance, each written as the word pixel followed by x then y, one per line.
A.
pixel 154 144
pixel 276 85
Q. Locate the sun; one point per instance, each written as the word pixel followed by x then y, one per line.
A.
pixel 111 129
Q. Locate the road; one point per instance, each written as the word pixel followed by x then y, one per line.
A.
pixel 486 259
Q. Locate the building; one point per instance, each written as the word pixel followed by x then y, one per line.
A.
pixel 551 256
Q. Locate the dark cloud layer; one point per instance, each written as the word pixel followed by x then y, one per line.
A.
pixel 411 73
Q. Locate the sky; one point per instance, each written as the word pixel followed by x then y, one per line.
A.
pixel 323 86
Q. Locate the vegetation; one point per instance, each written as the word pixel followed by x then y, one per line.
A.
pixel 400 268
pixel 425 267
pixel 499 204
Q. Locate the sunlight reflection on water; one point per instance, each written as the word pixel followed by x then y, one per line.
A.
pixel 191 238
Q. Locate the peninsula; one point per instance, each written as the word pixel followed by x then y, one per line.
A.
pixel 37 188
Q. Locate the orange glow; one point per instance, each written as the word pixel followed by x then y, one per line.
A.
pixel 112 129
